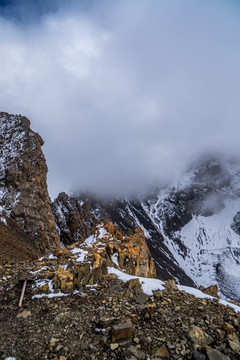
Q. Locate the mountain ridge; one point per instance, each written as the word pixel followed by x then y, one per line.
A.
pixel 177 224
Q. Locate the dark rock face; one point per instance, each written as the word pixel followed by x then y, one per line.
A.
pixel 24 199
pixel 74 221
pixel 236 223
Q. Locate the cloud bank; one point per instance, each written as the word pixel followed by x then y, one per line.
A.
pixel 124 93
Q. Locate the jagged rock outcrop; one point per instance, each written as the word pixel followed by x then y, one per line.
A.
pixel 88 261
pixel 129 253
pixel 24 199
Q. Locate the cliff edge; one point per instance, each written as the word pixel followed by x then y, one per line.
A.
pixel 24 199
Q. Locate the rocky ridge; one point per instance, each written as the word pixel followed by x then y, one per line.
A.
pixel 24 199
pixel 88 261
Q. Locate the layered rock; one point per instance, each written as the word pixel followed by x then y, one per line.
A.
pixel 107 247
pixel 88 261
pixel 128 253
pixel 24 199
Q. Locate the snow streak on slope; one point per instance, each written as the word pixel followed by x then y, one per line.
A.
pixel 206 247
pixel 213 249
pixel 151 285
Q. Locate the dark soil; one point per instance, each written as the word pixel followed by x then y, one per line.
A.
pixel 14 246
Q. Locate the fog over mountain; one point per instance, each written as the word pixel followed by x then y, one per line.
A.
pixel 124 93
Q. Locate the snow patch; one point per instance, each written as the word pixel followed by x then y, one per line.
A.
pixel 82 253
pixel 90 241
pixel 115 259
pixel 149 285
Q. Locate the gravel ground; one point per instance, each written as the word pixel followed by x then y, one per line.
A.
pixel 80 326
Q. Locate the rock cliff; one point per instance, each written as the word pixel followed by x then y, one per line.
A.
pixel 24 199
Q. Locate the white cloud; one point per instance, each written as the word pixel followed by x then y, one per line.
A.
pixel 124 93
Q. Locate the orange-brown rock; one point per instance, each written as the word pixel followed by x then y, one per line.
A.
pixel 162 353
pixel 108 247
pixel 211 290
pixel 87 262
pixel 199 337
pixel 63 280
pixel 134 288
pixel 170 285
pixel 122 331
pixel 128 253
pixel 44 289
pixel 25 201
pixel 228 328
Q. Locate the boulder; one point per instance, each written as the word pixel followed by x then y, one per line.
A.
pixel 211 290
pixel 122 331
pixel 63 280
pixel 199 337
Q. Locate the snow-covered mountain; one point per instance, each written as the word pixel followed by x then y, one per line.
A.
pixel 192 227
pixel 199 220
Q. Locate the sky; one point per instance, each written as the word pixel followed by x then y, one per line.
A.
pixel 124 93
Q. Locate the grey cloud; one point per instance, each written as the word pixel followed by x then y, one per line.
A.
pixel 125 93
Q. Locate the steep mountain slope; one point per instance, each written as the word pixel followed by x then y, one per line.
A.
pixel 192 227
pixel 24 200
pixel 15 247
pixel 199 222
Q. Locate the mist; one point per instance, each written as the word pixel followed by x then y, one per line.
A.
pixel 124 93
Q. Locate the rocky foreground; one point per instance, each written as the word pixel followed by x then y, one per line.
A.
pixel 76 309
pixel 108 322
